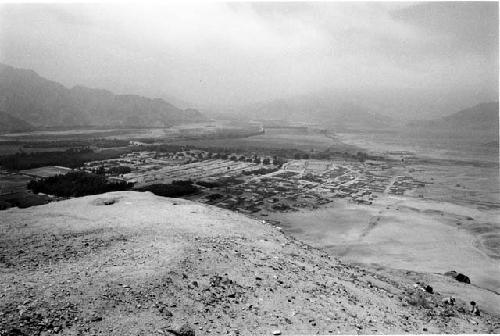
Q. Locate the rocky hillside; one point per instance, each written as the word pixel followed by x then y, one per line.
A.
pixel 130 263
pixel 44 103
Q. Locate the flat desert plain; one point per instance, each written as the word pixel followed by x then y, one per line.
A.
pixel 407 233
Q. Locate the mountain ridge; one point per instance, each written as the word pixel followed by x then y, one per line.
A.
pixel 45 103
pixel 9 123
pixel 333 110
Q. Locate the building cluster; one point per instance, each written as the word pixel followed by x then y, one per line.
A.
pixel 308 184
pixel 359 182
pixel 143 168
pixel 300 184
pixel 273 192
pixel 404 183
pixel 259 186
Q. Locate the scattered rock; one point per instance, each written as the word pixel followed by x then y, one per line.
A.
pixel 458 276
pixel 96 318
pixel 449 301
pixel 462 278
pixel 266 286
pixel 474 309
pixel 185 330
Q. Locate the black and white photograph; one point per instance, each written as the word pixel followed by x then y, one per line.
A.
pixel 238 168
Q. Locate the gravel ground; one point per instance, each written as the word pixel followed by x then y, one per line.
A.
pixel 146 265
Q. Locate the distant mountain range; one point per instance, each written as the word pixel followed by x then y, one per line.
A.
pixel 9 123
pixel 482 117
pixel 332 111
pixel 339 110
pixel 28 100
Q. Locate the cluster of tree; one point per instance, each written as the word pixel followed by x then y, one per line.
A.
pixel 119 170
pixel 165 148
pixel 110 143
pixel 221 182
pixel 209 184
pixel 101 133
pixel 347 155
pixel 276 153
pixel 56 144
pixel 231 181
pixel 22 200
pixel 102 143
pixel 214 197
pixel 174 189
pixel 230 133
pixel 13 142
pixel 224 134
pixel 76 184
pixel 321 156
pixel 148 141
pixel 261 171
pixel 281 207
pixel 301 155
pixel 222 156
pixel 72 158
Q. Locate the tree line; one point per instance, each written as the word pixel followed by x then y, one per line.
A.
pixel 174 189
pixel 76 184
pixel 72 158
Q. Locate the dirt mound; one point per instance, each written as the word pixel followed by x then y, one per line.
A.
pixel 147 265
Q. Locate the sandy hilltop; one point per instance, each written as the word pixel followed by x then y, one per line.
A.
pixel 130 263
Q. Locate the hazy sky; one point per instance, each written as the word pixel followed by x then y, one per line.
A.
pixel 232 53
